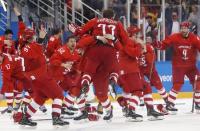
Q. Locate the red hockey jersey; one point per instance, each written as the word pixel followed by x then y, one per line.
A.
pixel 53 44
pixel 5 48
pixel 105 26
pixel 34 60
pixel 147 60
pixel 62 55
pixel 184 49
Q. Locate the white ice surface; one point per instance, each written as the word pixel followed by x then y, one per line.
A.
pixel 183 121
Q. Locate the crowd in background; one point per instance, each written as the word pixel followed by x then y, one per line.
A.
pixel 176 11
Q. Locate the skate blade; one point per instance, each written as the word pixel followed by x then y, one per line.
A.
pixel 152 118
pixel 108 121
pixel 70 113
pixel 138 119
pixel 67 117
pixel 27 127
pixel 44 113
pixel 60 127
pixel 81 121
pixel 165 113
pixel 197 111
pixel 172 112
pixel 66 114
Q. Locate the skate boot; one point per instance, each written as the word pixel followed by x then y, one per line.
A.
pixel 43 109
pixel 82 116
pixel 67 111
pixel 57 121
pixel 125 111
pixel 72 109
pixel 154 115
pixel 109 114
pixel 133 117
pixel 165 100
pixel 197 108
pixel 10 109
pixel 170 107
pixel 27 122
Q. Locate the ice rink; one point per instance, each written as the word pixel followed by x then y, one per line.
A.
pixel 183 121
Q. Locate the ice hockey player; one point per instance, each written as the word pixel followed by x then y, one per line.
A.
pixel 185 46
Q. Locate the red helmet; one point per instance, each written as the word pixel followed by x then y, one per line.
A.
pixel 185 23
pixel 28 33
pixel 133 30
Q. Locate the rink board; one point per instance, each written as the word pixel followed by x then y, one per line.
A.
pixel 165 73
pixel 155 96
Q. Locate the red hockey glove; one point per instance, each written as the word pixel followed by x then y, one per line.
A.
pixel 93 117
pixel 75 29
pixel 72 27
pixel 17 117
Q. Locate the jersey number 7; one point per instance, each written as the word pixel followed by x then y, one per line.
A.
pixel 110 27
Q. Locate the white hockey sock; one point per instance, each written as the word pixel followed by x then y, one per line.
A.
pixel 172 96
pixel 56 107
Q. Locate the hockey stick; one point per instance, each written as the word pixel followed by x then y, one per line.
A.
pixel 165 104
pixel 192 110
pixel 4 111
pixel 194 88
pixel 48 119
pixel 152 65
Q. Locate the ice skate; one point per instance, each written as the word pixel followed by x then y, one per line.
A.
pixel 197 108
pixel 67 111
pixel 58 122
pixel 125 111
pixel 109 115
pixel 170 107
pixel 82 116
pixel 26 122
pixel 133 117
pixel 154 115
